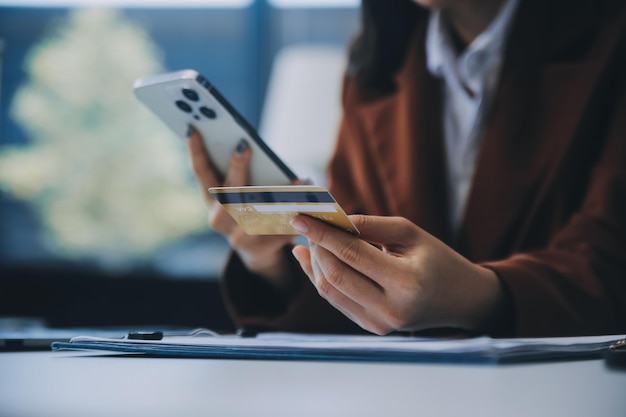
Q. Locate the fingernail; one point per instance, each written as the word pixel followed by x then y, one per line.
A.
pixel 189 131
pixel 242 146
pixel 299 224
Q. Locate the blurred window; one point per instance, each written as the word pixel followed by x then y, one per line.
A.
pixel 87 176
pixel 128 3
pixel 314 3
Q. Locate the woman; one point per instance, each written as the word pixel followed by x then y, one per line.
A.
pixel 484 144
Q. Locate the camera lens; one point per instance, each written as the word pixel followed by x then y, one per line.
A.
pixel 207 112
pixel 191 94
pixel 183 106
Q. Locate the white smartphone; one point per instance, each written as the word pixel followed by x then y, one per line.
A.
pixel 185 98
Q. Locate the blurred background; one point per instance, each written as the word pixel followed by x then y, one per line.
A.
pixel 100 220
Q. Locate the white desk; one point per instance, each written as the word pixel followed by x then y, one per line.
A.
pixel 72 384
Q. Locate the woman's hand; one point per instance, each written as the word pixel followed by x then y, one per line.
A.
pixel 261 254
pixel 413 282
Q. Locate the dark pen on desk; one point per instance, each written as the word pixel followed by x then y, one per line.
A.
pixel 159 335
pixel 145 336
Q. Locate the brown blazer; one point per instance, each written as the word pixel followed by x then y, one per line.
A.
pixel 547 209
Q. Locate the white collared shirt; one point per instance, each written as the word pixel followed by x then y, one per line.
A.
pixel 470 79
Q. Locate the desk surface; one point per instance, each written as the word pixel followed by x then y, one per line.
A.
pixel 78 384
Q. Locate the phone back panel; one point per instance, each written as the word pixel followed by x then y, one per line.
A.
pixel 186 98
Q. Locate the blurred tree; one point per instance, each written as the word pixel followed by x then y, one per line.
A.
pixel 108 180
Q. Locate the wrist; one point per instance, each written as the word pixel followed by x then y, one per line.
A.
pixel 488 313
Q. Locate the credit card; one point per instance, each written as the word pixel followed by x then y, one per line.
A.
pixel 263 210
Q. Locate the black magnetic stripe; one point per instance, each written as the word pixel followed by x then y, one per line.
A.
pixel 274 197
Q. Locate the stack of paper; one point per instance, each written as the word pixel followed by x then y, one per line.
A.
pixel 294 346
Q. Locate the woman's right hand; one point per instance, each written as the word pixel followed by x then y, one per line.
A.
pixel 262 255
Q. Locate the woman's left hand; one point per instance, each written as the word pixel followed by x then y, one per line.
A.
pixel 396 276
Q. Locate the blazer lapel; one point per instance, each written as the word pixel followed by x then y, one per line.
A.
pixel 406 132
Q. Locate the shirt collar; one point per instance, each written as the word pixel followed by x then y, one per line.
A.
pixel 477 58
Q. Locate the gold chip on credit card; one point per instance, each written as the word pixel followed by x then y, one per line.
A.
pixel 263 210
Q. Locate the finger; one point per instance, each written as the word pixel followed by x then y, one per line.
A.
pixel 353 251
pixel 221 221
pixel 303 256
pixel 201 163
pixel 206 175
pixel 203 168
pixel 318 274
pixel 346 280
pixel 355 312
pixel 358 313
pixel 312 269
pixel 238 167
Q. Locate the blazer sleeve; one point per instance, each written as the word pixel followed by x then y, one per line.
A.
pixel 576 285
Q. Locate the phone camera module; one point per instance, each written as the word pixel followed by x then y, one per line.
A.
pixel 208 113
pixel 183 106
pixel 191 94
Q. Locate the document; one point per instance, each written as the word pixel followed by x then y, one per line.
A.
pixel 294 346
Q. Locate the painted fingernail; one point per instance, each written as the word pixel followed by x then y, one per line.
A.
pixel 299 224
pixel 242 146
